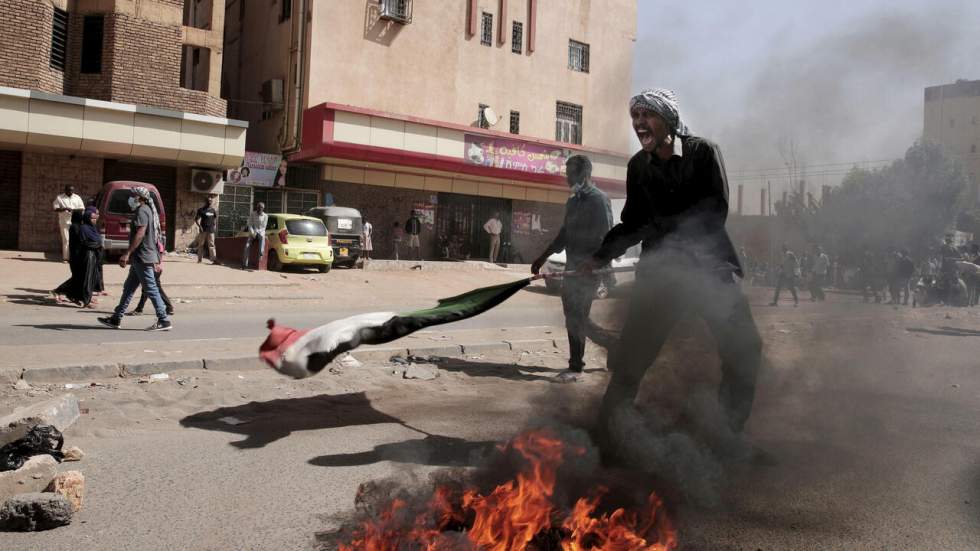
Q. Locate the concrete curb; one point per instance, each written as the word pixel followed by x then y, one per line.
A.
pixel 84 373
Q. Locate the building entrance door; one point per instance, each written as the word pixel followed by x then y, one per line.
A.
pixel 9 199
pixel 459 225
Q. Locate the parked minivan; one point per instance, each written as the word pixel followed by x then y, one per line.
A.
pixel 115 213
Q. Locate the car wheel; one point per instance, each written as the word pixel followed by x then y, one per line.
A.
pixel 324 268
pixel 274 264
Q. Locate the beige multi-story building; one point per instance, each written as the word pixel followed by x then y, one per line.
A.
pixel 99 90
pixel 952 120
pixel 454 108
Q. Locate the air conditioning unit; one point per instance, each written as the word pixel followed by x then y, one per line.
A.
pixel 396 10
pixel 207 181
pixel 272 92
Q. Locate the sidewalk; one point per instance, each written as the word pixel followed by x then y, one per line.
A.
pixel 30 276
pixel 46 364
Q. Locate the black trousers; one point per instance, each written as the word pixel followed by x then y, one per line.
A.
pixel 163 295
pixel 577 294
pixel 787 282
pixel 661 298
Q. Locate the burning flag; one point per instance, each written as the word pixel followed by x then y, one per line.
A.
pixel 302 353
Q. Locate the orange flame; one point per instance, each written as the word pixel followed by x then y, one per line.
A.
pixel 511 516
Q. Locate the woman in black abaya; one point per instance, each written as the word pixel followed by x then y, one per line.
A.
pixel 85 251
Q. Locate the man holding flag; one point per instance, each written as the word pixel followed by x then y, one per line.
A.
pixel 588 216
pixel 677 205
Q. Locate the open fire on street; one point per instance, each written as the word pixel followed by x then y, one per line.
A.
pixel 519 514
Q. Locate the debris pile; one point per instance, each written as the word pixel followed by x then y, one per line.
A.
pixel 33 494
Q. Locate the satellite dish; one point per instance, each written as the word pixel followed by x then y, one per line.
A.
pixel 490 115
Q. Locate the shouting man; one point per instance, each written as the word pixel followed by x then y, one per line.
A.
pixel 588 216
pixel 677 205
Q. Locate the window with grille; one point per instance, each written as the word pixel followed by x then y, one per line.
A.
pixel 92 26
pixel 481 117
pixel 568 123
pixel 486 29
pixel 235 204
pixel 578 56
pixel 397 10
pixel 298 202
pixel 59 39
pixel 515 122
pixel 272 198
pixel 517 38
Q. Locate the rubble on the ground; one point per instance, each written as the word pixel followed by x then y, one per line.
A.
pixel 35 511
pixel 421 372
pixel 74 453
pixel 59 412
pixel 70 484
pixel 33 476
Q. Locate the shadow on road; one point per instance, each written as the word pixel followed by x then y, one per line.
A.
pixel 948 331
pixel 513 372
pixel 266 422
pixel 434 450
pixel 68 326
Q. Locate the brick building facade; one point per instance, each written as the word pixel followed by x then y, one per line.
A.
pixel 153 68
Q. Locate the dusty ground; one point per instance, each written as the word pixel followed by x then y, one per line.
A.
pixel 866 421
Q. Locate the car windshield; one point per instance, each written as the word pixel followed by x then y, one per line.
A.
pixel 119 202
pixel 306 227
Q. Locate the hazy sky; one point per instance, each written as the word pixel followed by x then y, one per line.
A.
pixel 843 80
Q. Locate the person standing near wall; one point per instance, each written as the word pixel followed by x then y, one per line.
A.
pixel 413 229
pixel 206 220
pixel 367 245
pixel 257 222
pixel 493 227
pixel 64 204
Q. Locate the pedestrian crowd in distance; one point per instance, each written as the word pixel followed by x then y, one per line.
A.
pixel 948 275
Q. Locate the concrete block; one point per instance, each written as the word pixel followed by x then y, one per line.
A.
pixel 376 355
pixel 10 376
pixel 235 364
pixel 531 344
pixel 444 350
pixel 486 347
pixel 33 476
pixel 60 412
pixel 150 368
pixel 72 373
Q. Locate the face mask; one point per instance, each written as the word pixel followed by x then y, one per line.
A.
pixel 580 187
pixel 133 203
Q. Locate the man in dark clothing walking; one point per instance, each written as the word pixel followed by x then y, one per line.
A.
pixel 588 216
pixel 677 205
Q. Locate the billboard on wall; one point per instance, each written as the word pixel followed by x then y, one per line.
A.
pixel 259 170
pixel 517 155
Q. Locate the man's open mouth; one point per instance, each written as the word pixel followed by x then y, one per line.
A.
pixel 645 136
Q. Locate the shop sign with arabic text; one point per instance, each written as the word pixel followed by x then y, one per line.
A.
pixel 515 155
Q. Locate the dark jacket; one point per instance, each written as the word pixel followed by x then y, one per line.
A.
pixel 413 226
pixel 588 216
pixel 681 203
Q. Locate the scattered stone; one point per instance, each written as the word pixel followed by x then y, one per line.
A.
pixel 73 453
pixel 69 386
pixel 21 384
pixel 400 360
pixel 35 511
pixel 32 476
pixel 421 372
pixel 954 385
pixel 159 376
pixel 348 361
pixel 60 412
pixel 70 484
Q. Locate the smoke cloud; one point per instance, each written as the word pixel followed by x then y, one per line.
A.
pixel 838 84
